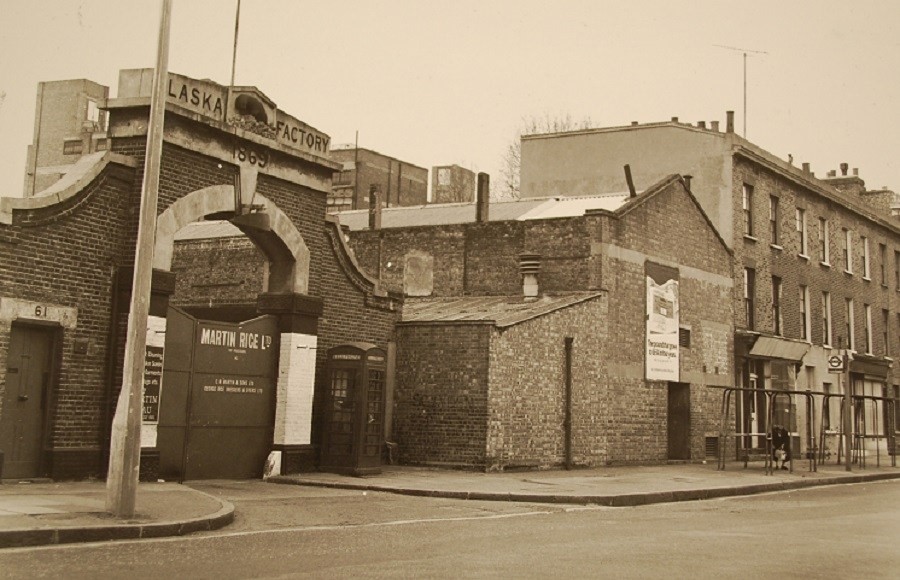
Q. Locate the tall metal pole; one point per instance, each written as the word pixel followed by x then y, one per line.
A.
pixel 125 443
pixel 848 416
pixel 745 95
pixel 237 20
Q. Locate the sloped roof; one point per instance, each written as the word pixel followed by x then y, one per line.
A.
pixel 501 311
pixel 460 213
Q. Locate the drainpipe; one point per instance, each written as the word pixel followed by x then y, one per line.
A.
pixel 112 348
pixel 567 424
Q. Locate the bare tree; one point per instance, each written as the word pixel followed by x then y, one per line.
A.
pixel 512 157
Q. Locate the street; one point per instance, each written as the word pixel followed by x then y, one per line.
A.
pixel 280 531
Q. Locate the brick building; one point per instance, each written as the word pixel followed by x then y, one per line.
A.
pixel 65 274
pixel 399 183
pixel 68 125
pixel 484 360
pixel 452 184
pixel 816 263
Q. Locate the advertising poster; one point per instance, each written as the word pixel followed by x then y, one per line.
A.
pixel 662 363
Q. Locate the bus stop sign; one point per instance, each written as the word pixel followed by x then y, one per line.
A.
pixel 835 364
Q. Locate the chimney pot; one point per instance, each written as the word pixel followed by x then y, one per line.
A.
pixel 687 181
pixel 374 208
pixel 729 121
pixel 674 119
pixel 633 123
pixel 856 171
pixel 701 124
pixel 844 167
pixel 831 173
pixel 806 168
pixel 714 125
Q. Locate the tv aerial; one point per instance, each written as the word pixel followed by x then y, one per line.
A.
pixel 746 52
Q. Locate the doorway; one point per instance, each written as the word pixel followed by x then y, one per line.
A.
pixel 679 421
pixel 29 369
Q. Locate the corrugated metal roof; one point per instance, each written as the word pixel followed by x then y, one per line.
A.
pixel 500 310
pixel 461 213
pixel 207 229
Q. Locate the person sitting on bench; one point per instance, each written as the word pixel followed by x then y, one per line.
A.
pixel 781 446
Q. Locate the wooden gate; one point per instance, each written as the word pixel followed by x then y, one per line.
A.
pixel 217 403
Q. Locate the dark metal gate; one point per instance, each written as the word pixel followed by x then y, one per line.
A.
pixel 217 403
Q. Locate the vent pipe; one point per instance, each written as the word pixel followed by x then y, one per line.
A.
pixel 687 181
pixel 629 181
pixel 729 121
pixel 530 266
pixel 483 198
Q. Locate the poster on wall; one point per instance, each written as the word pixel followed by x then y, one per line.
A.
pixel 662 362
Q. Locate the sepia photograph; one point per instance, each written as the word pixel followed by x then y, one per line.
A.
pixel 470 289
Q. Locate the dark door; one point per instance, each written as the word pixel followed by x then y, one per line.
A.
pixel 28 369
pixel 679 423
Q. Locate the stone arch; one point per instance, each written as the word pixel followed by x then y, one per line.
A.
pixel 283 244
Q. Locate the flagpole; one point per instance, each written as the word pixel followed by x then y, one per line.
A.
pixel 237 19
pixel 125 442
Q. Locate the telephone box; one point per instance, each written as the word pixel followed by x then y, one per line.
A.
pixel 354 412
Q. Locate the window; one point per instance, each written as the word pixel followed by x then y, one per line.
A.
pixel 885 332
pixel 826 318
pixel 865 257
pixel 867 310
pixel 801 229
pixel 882 263
pixel 72 147
pixel 773 220
pixel 824 249
pixel 776 304
pixel 897 270
pixel 804 312
pixel 747 201
pixel 848 251
pixel 749 297
pixel 851 337
pixel 93 112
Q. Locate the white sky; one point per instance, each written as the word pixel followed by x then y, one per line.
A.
pixel 436 82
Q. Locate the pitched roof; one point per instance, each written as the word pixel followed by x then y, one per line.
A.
pixel 501 311
pixel 460 213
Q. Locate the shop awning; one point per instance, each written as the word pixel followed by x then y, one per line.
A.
pixel 781 348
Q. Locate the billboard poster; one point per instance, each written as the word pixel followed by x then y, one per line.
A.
pixel 662 361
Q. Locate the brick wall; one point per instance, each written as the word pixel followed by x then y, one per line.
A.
pixel 66 255
pixel 441 398
pixel 527 389
pixel 483 258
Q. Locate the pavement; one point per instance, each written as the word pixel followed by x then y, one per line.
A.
pixel 41 513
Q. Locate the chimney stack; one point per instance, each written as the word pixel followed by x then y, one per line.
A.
pixel 674 119
pixel 634 123
pixel 701 124
pixel 844 168
pixel 483 198
pixel 806 168
pixel 714 125
pixel 374 208
pixel 729 121
pixel 831 173
pixel 529 266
